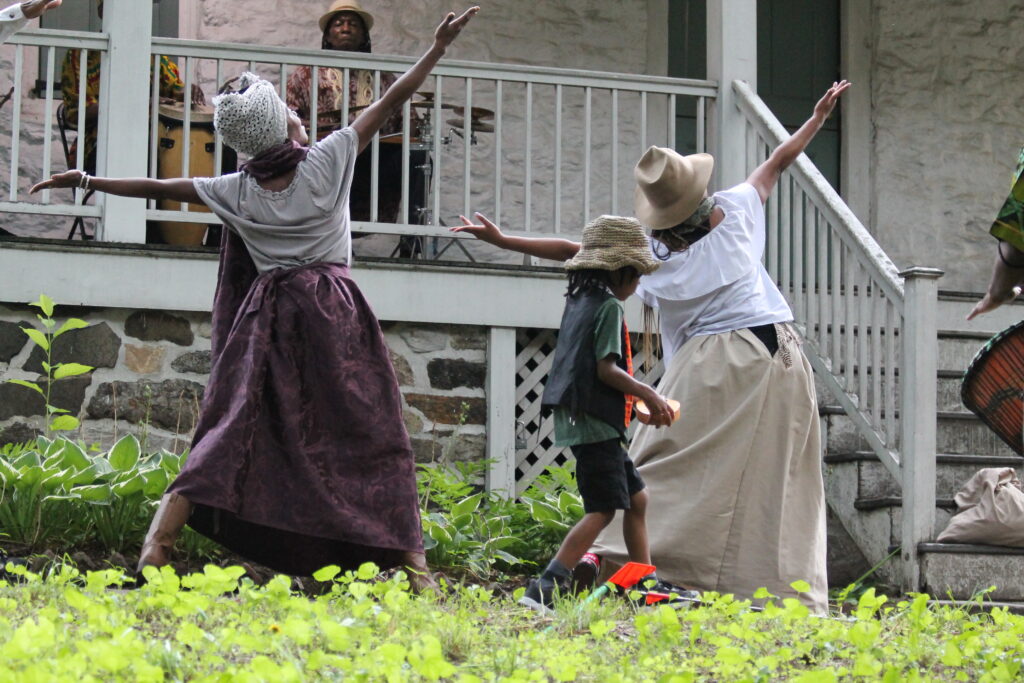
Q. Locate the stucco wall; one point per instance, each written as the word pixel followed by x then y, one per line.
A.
pixel 948 120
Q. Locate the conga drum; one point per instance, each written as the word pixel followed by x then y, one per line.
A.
pixel 993 386
pixel 170 156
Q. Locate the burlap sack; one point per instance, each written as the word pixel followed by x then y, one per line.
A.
pixel 990 510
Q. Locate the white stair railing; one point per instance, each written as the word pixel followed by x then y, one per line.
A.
pixel 869 330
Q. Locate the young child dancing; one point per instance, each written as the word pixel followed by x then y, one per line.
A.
pixel 591 389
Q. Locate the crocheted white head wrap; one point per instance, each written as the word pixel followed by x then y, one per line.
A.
pixel 254 120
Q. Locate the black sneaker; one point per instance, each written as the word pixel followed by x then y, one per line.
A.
pixel 540 594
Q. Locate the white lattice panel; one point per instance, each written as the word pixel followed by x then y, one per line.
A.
pixel 535 449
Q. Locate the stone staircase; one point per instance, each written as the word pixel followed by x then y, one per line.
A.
pixel 866 499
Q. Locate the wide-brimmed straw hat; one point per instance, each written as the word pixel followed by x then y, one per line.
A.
pixel 613 242
pixel 669 186
pixel 346 6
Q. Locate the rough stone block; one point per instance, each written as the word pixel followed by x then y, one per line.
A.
pixel 197 362
pixel 19 401
pixel 423 340
pixel 159 326
pixel 96 345
pixel 403 371
pixel 962 575
pixel 450 410
pixel 470 339
pixel 18 432
pixel 12 340
pixel 449 373
pixel 413 422
pixel 144 360
pixel 171 404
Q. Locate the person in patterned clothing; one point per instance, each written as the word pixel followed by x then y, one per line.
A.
pixel 171 88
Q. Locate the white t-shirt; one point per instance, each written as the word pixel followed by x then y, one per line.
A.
pixel 12 20
pixel 719 284
pixel 307 222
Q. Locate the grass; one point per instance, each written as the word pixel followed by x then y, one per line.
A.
pixel 215 626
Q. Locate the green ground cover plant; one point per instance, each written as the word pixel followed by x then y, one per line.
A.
pixel 216 626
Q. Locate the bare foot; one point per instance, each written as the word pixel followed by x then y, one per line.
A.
pixel 420 578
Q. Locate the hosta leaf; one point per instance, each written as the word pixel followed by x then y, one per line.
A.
pixel 29 477
pixel 70 324
pixel 72 455
pixel 27 459
pixel 439 533
pixel 96 493
pixel 128 487
pixel 156 481
pixel 125 453
pixel 70 370
pixel 29 385
pixel 38 337
pixel 467 505
pixel 64 423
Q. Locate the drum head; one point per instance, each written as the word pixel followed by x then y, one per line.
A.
pixel 993 386
pixel 201 114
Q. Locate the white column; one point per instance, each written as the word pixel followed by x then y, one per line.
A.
pixel 732 55
pixel 856 148
pixel 918 378
pixel 501 411
pixel 124 113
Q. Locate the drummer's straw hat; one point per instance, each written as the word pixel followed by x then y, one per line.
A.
pixel 346 6
pixel 613 242
pixel 669 186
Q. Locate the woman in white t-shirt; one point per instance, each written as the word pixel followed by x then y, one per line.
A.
pixel 300 458
pixel 736 495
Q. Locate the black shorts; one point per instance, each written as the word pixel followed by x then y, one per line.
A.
pixel 606 476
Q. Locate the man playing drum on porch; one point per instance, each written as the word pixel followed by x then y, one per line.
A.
pixel 346 27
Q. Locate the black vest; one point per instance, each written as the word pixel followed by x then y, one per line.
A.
pixel 572 382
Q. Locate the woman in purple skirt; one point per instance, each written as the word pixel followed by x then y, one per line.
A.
pixel 300 458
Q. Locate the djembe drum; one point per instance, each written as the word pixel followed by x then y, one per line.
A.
pixel 993 386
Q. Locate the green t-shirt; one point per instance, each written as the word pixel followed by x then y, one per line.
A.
pixel 586 428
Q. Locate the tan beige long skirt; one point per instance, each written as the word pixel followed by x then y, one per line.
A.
pixel 737 500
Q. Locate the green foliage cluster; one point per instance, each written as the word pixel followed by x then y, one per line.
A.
pixel 471 533
pixel 57 494
pixel 217 626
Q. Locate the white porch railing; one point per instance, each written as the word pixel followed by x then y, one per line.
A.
pixel 556 147
pixel 869 331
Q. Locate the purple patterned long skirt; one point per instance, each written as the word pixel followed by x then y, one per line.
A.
pixel 300 458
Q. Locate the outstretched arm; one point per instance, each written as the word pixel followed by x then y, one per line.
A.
pixel 1007 276
pixel 767 174
pixel 553 248
pixel 376 115
pixel 174 189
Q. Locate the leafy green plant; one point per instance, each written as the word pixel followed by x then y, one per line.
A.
pixel 57 419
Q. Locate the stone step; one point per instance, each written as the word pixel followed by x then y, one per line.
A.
pixel 958 433
pixel 960 571
pixel 957 349
pixel 874 481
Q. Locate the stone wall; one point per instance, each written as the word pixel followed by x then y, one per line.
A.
pixel 947 126
pixel 152 367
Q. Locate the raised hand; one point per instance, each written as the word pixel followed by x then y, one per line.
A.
pixel 70 178
pixel 35 8
pixel 828 101
pixel 485 230
pixel 450 26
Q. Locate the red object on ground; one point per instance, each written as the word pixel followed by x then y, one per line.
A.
pixel 630 573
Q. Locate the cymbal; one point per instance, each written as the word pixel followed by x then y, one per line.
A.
pixel 478 113
pixel 478 125
pixel 429 104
